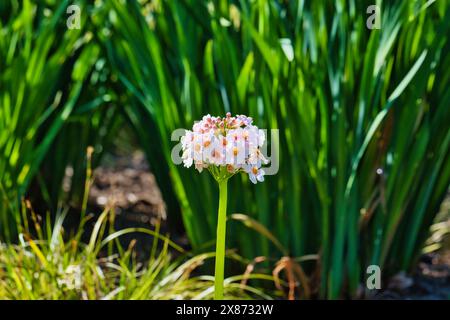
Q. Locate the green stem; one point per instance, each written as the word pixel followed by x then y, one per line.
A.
pixel 220 241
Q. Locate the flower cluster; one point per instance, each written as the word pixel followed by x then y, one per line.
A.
pixel 229 142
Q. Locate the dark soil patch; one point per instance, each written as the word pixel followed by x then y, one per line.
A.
pixel 430 281
pixel 126 183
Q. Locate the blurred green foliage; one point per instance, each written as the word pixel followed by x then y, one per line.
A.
pixel 53 103
pixel 363 115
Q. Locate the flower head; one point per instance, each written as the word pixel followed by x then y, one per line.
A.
pixel 225 145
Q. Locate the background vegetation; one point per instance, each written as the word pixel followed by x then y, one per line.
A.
pixel 363 118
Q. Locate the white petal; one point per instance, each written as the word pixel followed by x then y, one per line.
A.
pixel 188 162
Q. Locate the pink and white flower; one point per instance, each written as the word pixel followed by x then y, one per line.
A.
pixel 230 142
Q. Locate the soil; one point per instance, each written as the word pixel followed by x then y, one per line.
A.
pixel 126 183
pixel 430 281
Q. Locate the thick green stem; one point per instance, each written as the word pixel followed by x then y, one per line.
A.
pixel 220 240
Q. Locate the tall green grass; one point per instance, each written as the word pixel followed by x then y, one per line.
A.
pixel 363 116
pixel 52 103
pixel 34 72
pixel 363 119
pixel 53 265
